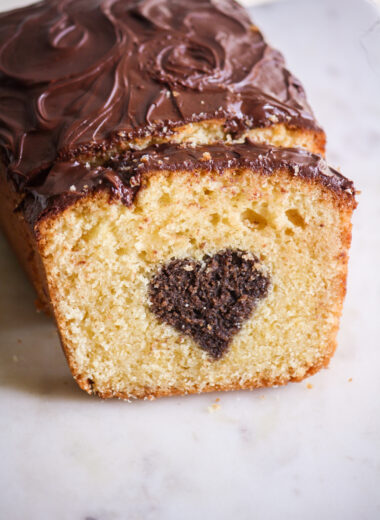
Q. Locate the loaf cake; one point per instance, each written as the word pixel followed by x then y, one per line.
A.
pixel 163 183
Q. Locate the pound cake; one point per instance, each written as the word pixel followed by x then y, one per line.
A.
pixel 162 181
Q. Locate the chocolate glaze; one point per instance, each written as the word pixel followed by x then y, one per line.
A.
pixel 209 300
pixel 79 73
pixel 123 174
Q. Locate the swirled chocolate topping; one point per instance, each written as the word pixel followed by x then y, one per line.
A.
pixel 74 73
pixel 123 174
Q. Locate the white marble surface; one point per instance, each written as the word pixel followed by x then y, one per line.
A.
pixel 293 452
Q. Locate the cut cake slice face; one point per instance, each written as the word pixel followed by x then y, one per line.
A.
pixel 214 268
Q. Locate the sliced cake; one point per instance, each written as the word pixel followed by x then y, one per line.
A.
pixel 161 184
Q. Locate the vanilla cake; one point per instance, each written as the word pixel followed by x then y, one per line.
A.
pixel 163 183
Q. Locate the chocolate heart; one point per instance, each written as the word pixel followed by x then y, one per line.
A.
pixel 208 300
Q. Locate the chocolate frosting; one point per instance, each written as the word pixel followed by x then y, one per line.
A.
pixel 123 175
pixel 77 73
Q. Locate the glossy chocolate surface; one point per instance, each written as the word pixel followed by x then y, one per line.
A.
pixel 76 73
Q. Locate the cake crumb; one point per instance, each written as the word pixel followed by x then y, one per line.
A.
pixel 350 379
pixel 309 386
pixel 213 408
pixel 273 118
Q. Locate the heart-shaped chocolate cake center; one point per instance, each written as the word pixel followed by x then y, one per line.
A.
pixel 208 300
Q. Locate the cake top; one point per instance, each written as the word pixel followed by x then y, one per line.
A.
pixel 123 174
pixel 78 72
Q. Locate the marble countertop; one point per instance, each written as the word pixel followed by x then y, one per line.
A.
pixel 306 451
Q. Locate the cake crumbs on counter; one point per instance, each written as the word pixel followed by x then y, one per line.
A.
pixel 215 406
